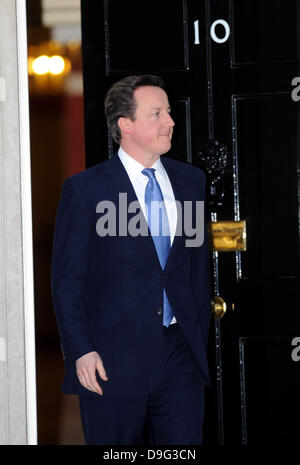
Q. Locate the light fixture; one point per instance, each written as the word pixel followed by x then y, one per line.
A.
pixel 44 64
pixel 40 65
pixel 56 65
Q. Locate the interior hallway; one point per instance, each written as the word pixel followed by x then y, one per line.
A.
pixel 58 413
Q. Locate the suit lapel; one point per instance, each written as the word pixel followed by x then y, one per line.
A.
pixel 122 184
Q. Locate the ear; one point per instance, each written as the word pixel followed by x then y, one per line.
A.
pixel 125 125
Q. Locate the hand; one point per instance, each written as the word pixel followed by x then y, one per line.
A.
pixel 86 367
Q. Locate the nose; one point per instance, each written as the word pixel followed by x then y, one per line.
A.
pixel 169 120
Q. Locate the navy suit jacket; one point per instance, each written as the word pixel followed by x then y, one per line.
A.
pixel 108 291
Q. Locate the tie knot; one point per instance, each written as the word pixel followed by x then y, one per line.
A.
pixel 150 173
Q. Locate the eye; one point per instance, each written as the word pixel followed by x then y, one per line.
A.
pixel 156 114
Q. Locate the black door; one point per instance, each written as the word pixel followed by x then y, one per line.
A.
pixel 229 67
pixel 256 117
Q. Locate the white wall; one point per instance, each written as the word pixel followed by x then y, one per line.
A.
pixel 17 347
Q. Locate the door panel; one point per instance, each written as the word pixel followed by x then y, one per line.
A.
pixel 141 36
pixel 265 150
pixel 263 31
pixel 269 391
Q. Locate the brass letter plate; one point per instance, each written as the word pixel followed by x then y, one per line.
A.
pixel 227 236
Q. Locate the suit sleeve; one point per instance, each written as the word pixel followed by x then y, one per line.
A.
pixel 200 272
pixel 70 264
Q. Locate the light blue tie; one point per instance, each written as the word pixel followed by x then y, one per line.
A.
pixel 159 227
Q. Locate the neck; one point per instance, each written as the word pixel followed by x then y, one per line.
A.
pixel 147 160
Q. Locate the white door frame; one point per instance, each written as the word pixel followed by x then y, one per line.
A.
pixel 29 326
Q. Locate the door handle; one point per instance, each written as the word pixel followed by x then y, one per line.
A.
pixel 218 306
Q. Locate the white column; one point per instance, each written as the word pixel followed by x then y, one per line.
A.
pixel 17 346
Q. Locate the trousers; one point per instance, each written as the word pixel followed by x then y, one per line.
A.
pixel 171 415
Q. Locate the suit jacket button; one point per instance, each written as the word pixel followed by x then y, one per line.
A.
pixel 159 311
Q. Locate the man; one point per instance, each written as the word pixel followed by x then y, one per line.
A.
pixel 131 293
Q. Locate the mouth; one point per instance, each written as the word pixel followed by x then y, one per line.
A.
pixel 167 138
pixel 169 135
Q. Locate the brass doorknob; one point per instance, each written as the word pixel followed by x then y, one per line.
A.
pixel 218 306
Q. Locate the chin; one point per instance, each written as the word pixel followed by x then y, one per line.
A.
pixel 163 148
pixel 167 147
pixel 163 152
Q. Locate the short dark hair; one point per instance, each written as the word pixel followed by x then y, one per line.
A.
pixel 120 102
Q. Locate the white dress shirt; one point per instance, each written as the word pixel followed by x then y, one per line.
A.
pixel 139 182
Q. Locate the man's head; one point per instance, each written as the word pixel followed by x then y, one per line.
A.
pixel 120 100
pixel 137 112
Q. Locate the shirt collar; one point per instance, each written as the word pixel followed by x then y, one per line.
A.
pixel 134 168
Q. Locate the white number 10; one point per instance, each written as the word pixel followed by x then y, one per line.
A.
pixel 213 31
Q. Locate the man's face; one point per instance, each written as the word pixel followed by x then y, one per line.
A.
pixel 151 131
